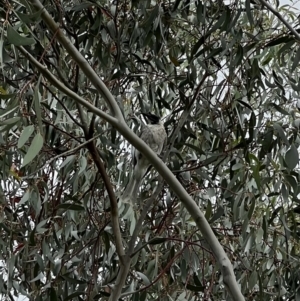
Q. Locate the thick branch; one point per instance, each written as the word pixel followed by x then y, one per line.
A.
pixel 79 59
pixel 110 191
pixel 120 125
pixel 60 86
pixel 89 142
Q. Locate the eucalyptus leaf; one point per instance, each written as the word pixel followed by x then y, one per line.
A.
pixel 34 148
pixel 26 133
pixel 292 157
pixel 15 38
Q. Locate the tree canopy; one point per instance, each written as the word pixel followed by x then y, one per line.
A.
pixel 224 78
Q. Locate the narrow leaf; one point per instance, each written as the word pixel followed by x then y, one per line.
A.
pixel 34 149
pixel 281 133
pixel 38 277
pixel 157 240
pixel 249 13
pixel 296 60
pixel 292 157
pixel 144 278
pixel 9 121
pixel 239 56
pixel 25 18
pixel 280 109
pixel 37 104
pixel 197 45
pixel 195 288
pixel 53 295
pixel 279 41
pixel 71 207
pixel 16 39
pixel 251 209
pixel 26 133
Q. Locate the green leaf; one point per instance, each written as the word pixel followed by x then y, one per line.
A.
pixel 200 12
pixel 34 149
pixel 292 182
pixel 296 60
pixel 16 39
pixel 279 41
pixel 11 121
pixel 259 236
pixel 234 19
pixel 252 280
pixel 255 174
pixel 25 197
pixel 249 13
pixel 251 209
pixel 160 65
pixel 71 207
pixel 111 29
pixel 217 215
pixel 37 106
pixel 195 288
pixel 252 125
pixel 148 22
pixel 238 57
pixel 292 157
pixel 285 193
pixel 81 6
pixel 40 262
pixel 7 111
pixel 26 133
pixel 281 133
pixel 208 211
pixel 269 84
pixel 197 46
pixel 82 164
pixel 38 277
pixel 157 240
pixel 53 295
pixel 145 279
pixel 25 18
pixel 280 109
pixel 287 47
pixel 73 280
pixel 219 23
pixel 214 52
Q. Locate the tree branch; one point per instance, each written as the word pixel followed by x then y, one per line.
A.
pixel 67 153
pixel 280 17
pixel 184 116
pixel 110 191
pixel 60 86
pixel 79 59
pixel 121 126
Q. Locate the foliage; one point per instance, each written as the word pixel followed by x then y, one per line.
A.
pixel 231 68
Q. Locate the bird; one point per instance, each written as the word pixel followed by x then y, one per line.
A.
pixel 155 136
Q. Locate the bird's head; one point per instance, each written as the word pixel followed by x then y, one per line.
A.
pixel 153 119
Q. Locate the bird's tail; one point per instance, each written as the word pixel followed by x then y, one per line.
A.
pixel 131 190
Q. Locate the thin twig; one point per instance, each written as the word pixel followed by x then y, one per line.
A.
pixel 67 153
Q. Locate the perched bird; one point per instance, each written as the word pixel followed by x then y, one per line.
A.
pixel 155 136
